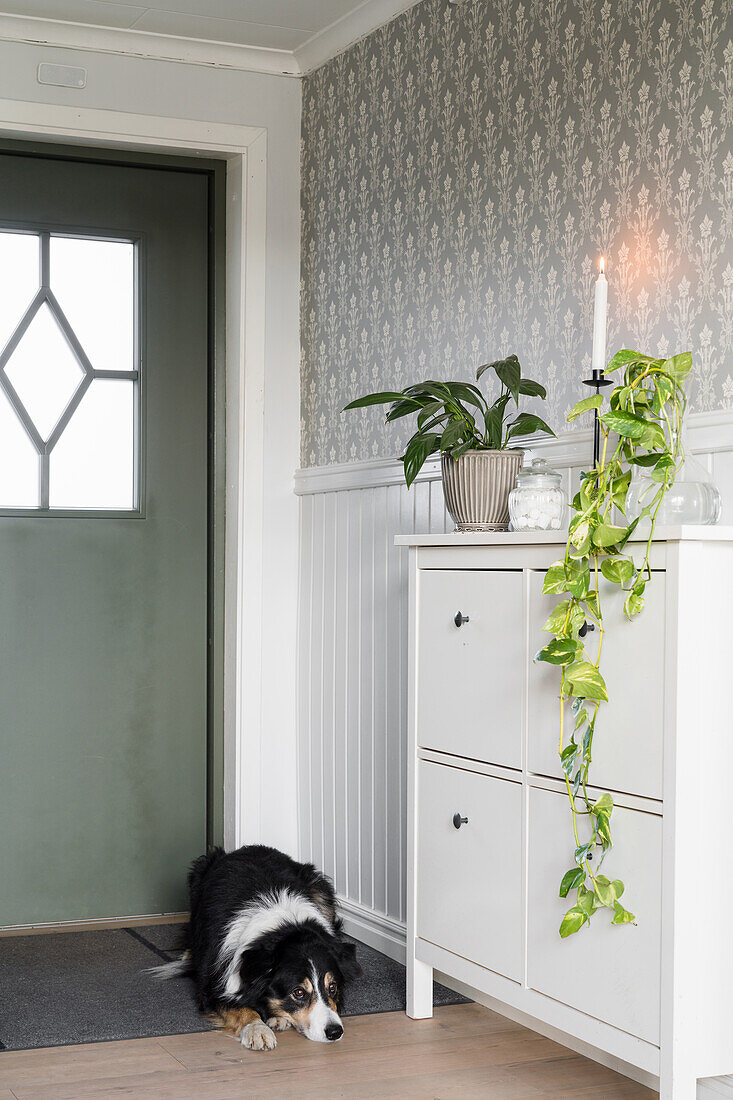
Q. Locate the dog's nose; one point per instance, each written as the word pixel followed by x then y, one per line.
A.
pixel 334 1032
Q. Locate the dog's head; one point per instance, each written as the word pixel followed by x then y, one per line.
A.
pixel 301 977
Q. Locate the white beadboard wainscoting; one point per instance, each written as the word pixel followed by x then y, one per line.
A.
pixel 352 664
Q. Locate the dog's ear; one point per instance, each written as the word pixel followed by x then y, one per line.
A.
pixel 255 972
pixel 347 961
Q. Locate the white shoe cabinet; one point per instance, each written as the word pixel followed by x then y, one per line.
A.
pixel 483 905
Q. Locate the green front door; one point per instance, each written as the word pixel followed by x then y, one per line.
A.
pixel 103 536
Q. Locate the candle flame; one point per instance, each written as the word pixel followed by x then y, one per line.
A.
pixel 603 265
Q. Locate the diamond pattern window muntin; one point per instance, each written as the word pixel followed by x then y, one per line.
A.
pixel 42 436
pixel 44 371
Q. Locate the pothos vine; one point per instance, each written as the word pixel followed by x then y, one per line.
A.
pixel 645 413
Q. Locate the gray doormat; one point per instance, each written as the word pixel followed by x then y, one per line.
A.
pixel 90 987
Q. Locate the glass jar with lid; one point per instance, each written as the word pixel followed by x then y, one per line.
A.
pixel 538 502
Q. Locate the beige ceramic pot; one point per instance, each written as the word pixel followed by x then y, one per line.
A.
pixel 476 487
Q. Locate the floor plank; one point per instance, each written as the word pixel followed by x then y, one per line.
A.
pixel 465 1051
pixel 87 1062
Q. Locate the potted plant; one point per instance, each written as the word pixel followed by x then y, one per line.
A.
pixel 473 438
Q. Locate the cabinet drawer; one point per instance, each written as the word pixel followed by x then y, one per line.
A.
pixel 627 751
pixel 469 880
pixel 470 677
pixel 609 972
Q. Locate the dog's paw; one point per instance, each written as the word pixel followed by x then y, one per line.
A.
pixel 258 1036
pixel 279 1023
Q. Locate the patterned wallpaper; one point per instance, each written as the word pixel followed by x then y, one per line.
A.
pixel 464 167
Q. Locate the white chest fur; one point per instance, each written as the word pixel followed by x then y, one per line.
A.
pixel 483 897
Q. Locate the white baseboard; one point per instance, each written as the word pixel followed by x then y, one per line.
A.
pixel 388 935
pixel 93 925
pixel 375 929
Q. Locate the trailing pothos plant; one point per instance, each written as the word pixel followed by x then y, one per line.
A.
pixel 642 428
pixel 456 417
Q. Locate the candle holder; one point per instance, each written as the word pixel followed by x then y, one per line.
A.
pixel 597 381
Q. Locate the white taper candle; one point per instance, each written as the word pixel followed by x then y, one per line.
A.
pixel 599 320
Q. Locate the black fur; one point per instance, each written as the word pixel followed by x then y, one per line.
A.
pixel 220 885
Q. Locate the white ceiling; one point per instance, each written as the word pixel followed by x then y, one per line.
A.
pixel 313 29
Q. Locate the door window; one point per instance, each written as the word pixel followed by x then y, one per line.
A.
pixel 69 372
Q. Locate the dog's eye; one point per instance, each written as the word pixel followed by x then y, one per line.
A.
pixel 298 993
pixel 332 988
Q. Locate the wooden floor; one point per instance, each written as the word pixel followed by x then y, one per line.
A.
pixel 466 1051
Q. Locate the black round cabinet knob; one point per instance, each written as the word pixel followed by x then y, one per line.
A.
pixel 458 820
pixel 460 618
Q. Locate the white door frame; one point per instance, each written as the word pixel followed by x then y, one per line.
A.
pixel 245 150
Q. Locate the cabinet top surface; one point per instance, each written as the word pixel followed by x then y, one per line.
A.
pixel 687 533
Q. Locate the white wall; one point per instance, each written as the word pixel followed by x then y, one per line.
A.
pixel 353 661
pixel 173 90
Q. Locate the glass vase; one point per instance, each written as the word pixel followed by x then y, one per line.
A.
pixel 693 497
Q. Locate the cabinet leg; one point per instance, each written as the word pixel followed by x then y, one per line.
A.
pixel 419 989
pixel 677 1086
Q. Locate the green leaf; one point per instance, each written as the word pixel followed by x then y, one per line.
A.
pixel 660 472
pixel 587 901
pixel 591 605
pixel 618 887
pixel 570 880
pixel 648 460
pixel 605 891
pixel 634 427
pixel 555 581
pixel 619 489
pixel 374 399
pixel 509 373
pixel 566 619
pixel 463 447
pixel 579 534
pixel 426 411
pixel 579 583
pixel 586 405
pixel 511 361
pixel 464 391
pixel 603 804
pixel 455 430
pixel 580 718
pixel 605 534
pixel 572 922
pixel 634 604
pixel 621 915
pixel 618 570
pixel 493 422
pixel 567 758
pixel 624 357
pixel 679 366
pixel 581 852
pixel 532 389
pixel 527 424
pixel 403 408
pixel 603 828
pixel 416 452
pixel 586 681
pixel 426 390
pixel 560 651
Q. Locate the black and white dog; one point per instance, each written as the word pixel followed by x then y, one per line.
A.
pixel 264 946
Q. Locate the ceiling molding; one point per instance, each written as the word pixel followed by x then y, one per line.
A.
pixel 314 52
pixel 350 28
pixel 159 47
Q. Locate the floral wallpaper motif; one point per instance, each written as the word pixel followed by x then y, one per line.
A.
pixel 464 167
